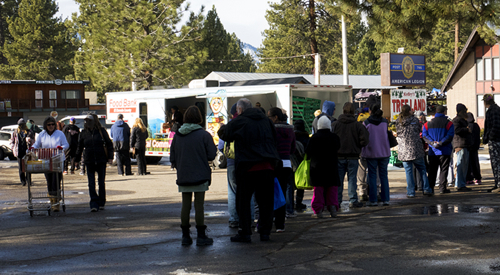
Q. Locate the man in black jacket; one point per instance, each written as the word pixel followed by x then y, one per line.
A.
pixel 462 140
pixel 491 135
pixel 256 157
pixel 353 136
pixel 71 131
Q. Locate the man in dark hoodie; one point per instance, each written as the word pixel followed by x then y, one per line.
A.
pixel 72 132
pixel 327 110
pixel 462 140
pixel 120 133
pixel 256 158
pixel 474 171
pixel 491 135
pixel 353 136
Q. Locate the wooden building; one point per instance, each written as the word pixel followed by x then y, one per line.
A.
pixel 35 99
pixel 475 73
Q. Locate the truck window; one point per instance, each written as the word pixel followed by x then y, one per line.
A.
pixel 143 112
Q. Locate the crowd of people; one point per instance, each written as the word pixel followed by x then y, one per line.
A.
pixel 264 150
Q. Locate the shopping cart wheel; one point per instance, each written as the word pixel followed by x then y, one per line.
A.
pixel 64 208
pixel 31 213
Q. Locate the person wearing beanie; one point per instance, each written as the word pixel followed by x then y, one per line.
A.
pixel 328 110
pixel 474 171
pixel 491 136
pixel 21 140
pixel 322 151
pixel 462 140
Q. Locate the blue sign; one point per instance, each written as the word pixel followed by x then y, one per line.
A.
pixel 407 70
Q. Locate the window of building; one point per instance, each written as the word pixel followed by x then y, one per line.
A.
pixel 479 69
pixel 480 106
pixel 496 68
pixel 487 69
pixel 70 94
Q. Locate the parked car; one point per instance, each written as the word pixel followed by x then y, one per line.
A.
pixel 5 150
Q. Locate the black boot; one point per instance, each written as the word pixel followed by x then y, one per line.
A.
pixel 186 239
pixel 202 237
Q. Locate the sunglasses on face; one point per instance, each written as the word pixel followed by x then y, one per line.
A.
pixel 51 124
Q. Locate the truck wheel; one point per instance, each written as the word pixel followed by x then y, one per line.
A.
pixel 152 160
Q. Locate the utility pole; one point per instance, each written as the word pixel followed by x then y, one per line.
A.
pixel 317 71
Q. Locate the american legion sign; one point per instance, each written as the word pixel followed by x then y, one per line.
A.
pixel 402 69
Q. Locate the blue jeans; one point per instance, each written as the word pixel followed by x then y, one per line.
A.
pixel 290 195
pixel 349 166
pixel 462 166
pixel 410 180
pixel 379 164
pixel 231 194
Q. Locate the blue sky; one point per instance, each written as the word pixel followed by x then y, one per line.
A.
pixel 243 17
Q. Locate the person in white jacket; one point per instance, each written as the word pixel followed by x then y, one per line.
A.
pixel 52 138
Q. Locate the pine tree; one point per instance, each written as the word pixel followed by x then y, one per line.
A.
pixel 8 9
pixel 40 47
pixel 137 41
pixel 224 50
pixel 291 33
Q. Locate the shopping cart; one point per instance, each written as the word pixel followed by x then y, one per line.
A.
pixel 40 161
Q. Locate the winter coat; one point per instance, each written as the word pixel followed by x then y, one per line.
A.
pixel 94 144
pixel 120 133
pixel 302 137
pixel 462 137
pixel 21 138
pixel 72 132
pixel 138 138
pixel 327 110
pixel 476 132
pixel 492 124
pixel 255 138
pixel 190 153
pixel 439 129
pixel 409 142
pixel 378 146
pixel 322 151
pixel 285 138
pixel 353 136
pixel 45 140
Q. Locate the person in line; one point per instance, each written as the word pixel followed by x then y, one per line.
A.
pixel 302 137
pixel 258 106
pixel 285 138
pixel 438 133
pixel 422 119
pixel 97 149
pixel 72 132
pixel 176 120
pixel 50 137
pixel 256 160
pixel 462 140
pixel 474 170
pixel 327 110
pixel 33 127
pixel 138 142
pixel 377 154
pixel 363 166
pixel 410 150
pixel 491 136
pixel 191 150
pixel 322 151
pixel 22 139
pixel 120 133
pixel 353 137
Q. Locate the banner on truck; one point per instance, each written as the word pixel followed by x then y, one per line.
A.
pixel 216 115
pixel 417 100
pixel 121 106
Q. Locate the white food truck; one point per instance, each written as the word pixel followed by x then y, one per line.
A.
pixel 153 106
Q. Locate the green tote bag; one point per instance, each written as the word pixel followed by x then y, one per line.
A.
pixel 302 177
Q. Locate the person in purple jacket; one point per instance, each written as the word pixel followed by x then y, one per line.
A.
pixel 377 154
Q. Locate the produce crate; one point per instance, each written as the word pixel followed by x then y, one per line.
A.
pixel 394 159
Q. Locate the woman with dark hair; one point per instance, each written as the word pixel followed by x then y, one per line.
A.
pixel 285 138
pixel 97 147
pixel 474 170
pixel 21 140
pixel 176 119
pixel 191 150
pixel 377 154
pixel 138 142
pixel 50 137
pixel 410 150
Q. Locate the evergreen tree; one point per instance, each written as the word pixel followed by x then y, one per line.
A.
pixel 291 32
pixel 137 41
pixel 221 47
pixel 8 9
pixel 39 46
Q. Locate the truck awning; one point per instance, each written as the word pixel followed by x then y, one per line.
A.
pixel 236 94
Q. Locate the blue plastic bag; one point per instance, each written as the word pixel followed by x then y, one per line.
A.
pixel 279 198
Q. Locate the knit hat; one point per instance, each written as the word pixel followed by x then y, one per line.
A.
pixel 461 107
pixel 324 123
pixel 233 109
